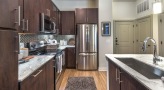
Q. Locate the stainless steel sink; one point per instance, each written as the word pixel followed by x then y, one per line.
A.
pixel 144 69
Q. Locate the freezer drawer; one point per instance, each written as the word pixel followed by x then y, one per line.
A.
pixel 87 61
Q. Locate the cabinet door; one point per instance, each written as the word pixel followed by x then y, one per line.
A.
pixel 113 77
pixel 36 81
pixel 50 75
pixel 81 15
pixel 92 15
pixel 8 60
pixel 31 16
pixel 70 58
pixel 129 83
pixel 9 14
pixel 68 22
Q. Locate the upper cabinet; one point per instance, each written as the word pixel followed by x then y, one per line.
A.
pixel 67 22
pixel 9 16
pixel 32 10
pixel 86 15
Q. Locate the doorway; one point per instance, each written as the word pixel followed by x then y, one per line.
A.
pixel 129 36
pixel 123 40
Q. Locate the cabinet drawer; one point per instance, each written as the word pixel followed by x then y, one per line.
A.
pixel 36 81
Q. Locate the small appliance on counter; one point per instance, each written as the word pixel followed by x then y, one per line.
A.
pixel 63 42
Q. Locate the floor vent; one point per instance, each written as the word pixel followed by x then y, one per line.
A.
pixel 144 6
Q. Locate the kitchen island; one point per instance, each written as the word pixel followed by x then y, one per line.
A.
pixel 123 77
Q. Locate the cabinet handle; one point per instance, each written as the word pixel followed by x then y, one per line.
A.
pixel 18 15
pixel 27 25
pixel 23 21
pixel 37 73
pixel 116 74
pixel 120 78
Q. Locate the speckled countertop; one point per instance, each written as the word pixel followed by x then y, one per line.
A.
pixel 26 69
pixel 153 84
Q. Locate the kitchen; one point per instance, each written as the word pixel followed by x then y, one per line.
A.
pixel 25 23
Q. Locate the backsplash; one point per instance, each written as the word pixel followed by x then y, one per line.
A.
pixel 25 38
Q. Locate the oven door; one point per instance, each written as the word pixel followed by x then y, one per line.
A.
pixel 58 65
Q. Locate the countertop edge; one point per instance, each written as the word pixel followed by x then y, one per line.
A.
pixel 34 70
pixel 117 62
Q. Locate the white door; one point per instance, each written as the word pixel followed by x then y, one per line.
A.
pixel 124 38
pixel 143 31
pixel 161 34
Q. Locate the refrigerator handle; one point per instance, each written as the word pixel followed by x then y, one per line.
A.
pixel 84 54
pixel 87 38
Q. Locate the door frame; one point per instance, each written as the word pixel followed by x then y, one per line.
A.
pixel 114 32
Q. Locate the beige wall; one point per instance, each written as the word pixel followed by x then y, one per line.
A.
pixel 124 10
pixel 105 42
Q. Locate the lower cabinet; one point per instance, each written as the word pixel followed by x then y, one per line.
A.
pixel 50 75
pixel 120 80
pixel 70 57
pixel 41 79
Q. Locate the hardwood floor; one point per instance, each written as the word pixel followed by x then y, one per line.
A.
pixel 100 77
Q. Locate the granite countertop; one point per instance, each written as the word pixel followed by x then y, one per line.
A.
pixel 26 69
pixel 153 84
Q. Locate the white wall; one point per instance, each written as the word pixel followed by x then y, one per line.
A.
pixel 105 42
pixel 70 5
pixel 145 13
pixel 124 10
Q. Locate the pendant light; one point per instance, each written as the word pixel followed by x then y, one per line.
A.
pixel 157 7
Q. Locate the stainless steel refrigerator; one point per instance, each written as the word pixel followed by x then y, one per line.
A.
pixel 86 47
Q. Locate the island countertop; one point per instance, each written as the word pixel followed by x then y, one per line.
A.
pixel 26 69
pixel 153 84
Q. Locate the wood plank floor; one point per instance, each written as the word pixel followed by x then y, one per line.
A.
pixel 100 77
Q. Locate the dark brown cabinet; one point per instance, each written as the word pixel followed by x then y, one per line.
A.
pixel 41 79
pixel 86 15
pixel 70 58
pixel 9 14
pixel 50 75
pixel 36 81
pixel 67 22
pixel 8 60
pixel 113 80
pixel 120 80
pixel 31 13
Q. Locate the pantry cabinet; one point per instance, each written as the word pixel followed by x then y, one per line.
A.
pixel 9 14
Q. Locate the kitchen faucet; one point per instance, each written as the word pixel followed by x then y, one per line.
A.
pixel 155 56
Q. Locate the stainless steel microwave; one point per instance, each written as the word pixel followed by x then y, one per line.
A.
pixel 47 25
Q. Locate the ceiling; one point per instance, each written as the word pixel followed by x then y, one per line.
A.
pixel 124 0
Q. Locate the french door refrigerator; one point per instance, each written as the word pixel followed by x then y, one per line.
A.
pixel 86 47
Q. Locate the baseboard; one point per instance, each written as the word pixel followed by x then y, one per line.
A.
pixel 103 68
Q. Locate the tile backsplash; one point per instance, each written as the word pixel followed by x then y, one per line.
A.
pixel 25 38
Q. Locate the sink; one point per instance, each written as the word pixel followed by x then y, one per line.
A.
pixel 144 69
